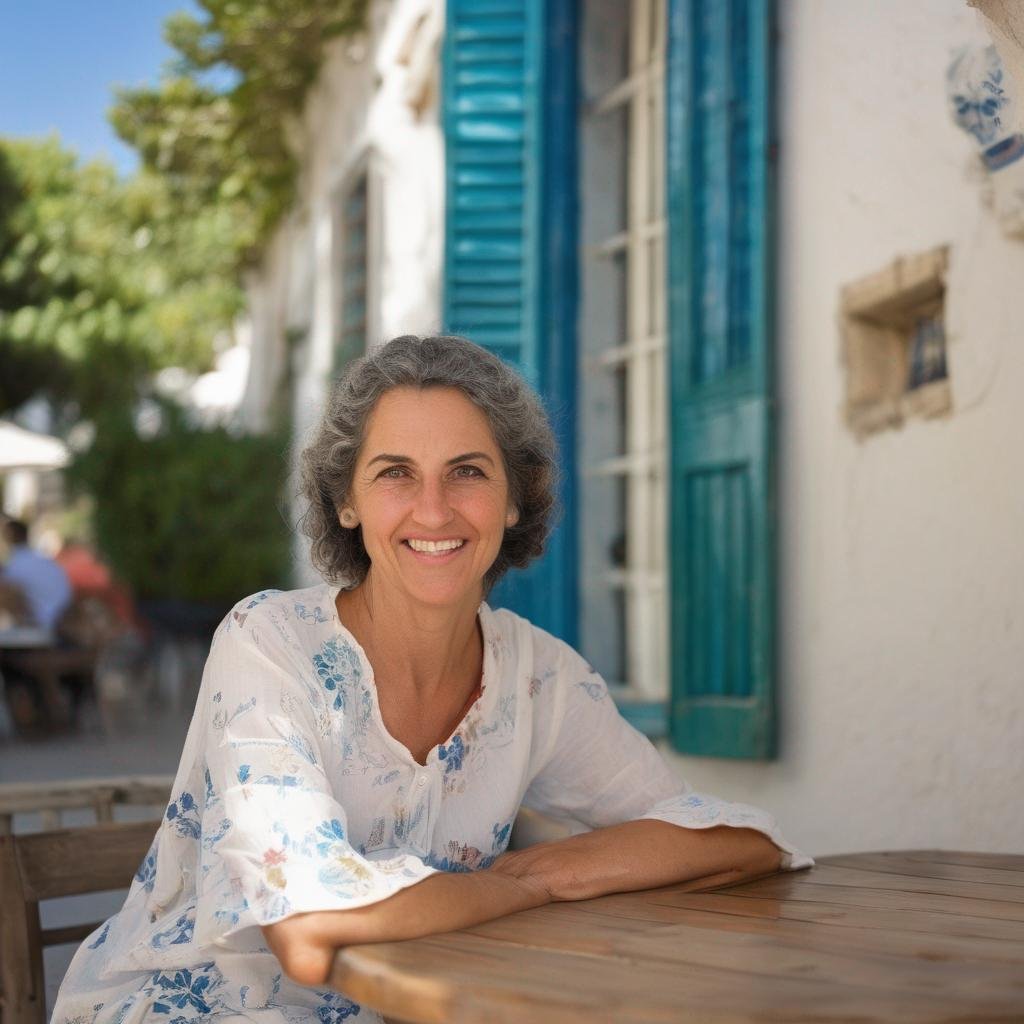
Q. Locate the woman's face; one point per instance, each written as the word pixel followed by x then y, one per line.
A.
pixel 430 471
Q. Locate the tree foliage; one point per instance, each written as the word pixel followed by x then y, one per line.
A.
pixel 101 281
pixel 104 280
pixel 228 144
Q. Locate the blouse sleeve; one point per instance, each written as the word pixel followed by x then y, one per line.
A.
pixel 595 768
pixel 274 836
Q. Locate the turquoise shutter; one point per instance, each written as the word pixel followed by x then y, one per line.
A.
pixel 492 237
pixel 509 233
pixel 722 502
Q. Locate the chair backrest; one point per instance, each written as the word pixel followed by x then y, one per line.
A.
pixel 47 865
pixel 102 795
pixel 50 864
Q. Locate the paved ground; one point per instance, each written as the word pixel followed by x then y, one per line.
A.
pixel 147 742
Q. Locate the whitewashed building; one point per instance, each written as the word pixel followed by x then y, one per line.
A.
pixel 770 290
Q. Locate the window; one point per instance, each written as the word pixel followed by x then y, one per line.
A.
pixel 357 220
pixel 622 433
pixel 894 343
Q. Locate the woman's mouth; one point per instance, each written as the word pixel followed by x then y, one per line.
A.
pixel 434 552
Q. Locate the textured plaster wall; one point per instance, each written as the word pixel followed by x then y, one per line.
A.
pixel 901 561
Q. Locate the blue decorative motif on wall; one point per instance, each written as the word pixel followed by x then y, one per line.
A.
pixel 980 104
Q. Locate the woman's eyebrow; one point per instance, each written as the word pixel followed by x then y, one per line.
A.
pixel 450 462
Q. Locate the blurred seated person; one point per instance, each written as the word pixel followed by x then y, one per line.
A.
pixel 15 611
pixel 44 583
pixel 91 578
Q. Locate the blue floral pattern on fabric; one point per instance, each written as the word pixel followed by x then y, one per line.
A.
pixel 337 665
pixel 334 1008
pixel 452 754
pixel 177 935
pixel 146 875
pixel 185 816
pixel 188 989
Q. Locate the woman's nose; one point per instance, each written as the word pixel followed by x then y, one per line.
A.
pixel 433 508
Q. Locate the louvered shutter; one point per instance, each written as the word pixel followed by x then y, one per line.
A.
pixel 493 155
pixel 507 227
pixel 722 504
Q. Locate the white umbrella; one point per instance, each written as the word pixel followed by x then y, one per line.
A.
pixel 22 449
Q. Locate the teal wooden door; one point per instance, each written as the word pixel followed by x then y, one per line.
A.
pixel 509 109
pixel 722 497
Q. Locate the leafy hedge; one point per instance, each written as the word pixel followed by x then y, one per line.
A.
pixel 191 514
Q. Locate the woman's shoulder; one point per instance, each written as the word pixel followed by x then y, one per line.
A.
pixel 547 654
pixel 308 606
pixel 282 624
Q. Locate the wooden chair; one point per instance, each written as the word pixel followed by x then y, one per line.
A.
pixel 48 865
pixel 62 862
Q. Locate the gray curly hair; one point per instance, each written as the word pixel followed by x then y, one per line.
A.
pixel 517 420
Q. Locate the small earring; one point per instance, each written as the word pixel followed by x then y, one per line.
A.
pixel 348 518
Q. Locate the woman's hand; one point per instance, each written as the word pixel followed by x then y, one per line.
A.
pixel 641 854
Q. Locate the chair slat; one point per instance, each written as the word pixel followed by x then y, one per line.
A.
pixel 28 797
pixel 69 933
pixel 72 861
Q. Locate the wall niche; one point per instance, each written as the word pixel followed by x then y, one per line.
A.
pixel 894 343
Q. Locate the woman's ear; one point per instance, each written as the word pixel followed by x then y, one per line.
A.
pixel 512 517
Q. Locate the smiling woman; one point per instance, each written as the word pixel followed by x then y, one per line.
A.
pixel 360 749
pixel 481 394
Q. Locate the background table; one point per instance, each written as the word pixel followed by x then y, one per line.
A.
pixel 918 935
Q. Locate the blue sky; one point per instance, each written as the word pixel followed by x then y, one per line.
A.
pixel 59 60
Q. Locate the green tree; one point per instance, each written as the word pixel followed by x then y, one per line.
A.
pixel 101 281
pixel 227 144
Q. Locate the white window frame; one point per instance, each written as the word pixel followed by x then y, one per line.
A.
pixel 642 355
pixel 366 165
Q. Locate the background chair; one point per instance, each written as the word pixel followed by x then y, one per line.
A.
pixel 60 862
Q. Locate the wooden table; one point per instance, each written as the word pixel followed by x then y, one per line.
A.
pixel 917 935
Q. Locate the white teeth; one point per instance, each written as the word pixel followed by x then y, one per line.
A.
pixel 435 546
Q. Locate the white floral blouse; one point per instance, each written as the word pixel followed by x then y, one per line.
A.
pixel 291 796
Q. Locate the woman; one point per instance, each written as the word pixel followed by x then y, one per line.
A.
pixel 360 749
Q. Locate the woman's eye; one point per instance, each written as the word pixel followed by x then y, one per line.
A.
pixel 473 470
pixel 393 472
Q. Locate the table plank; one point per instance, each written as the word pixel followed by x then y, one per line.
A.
pixel 878 918
pixel 875 937
pixel 883 898
pixel 898 865
pixel 1011 861
pixel 592 925
pixel 832 874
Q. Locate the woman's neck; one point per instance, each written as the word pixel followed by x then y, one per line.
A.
pixel 420 648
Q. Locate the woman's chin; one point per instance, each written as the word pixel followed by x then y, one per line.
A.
pixel 444 593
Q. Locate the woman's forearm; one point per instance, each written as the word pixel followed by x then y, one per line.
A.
pixel 642 854
pixel 622 858
pixel 305 943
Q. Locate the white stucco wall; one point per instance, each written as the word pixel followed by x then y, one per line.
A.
pixel 359 112
pixel 901 584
